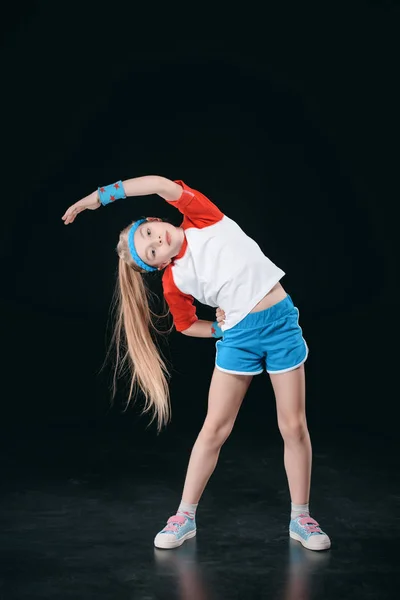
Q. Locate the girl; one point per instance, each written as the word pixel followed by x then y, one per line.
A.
pixel 210 259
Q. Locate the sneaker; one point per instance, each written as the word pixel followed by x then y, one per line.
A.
pixel 307 531
pixel 178 529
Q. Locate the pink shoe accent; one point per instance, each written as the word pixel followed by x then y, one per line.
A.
pixel 309 524
pixel 173 522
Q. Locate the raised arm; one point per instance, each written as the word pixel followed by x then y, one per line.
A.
pixel 152 184
pixel 138 186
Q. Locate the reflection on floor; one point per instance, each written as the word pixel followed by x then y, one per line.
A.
pixel 79 512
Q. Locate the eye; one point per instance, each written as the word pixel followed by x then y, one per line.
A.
pixel 148 232
pixel 153 253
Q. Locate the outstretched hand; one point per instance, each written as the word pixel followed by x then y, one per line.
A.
pixel 220 316
pixel 90 202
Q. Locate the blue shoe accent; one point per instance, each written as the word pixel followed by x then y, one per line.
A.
pixel 178 529
pixel 307 531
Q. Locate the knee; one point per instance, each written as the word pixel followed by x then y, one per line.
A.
pixel 294 430
pixel 215 434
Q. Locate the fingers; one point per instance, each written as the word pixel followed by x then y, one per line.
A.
pixel 220 315
pixel 69 217
pixel 70 214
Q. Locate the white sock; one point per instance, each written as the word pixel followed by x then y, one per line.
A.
pixel 187 509
pixel 299 509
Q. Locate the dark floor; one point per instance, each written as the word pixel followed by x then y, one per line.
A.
pixel 80 508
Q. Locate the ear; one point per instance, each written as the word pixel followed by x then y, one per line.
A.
pixel 153 219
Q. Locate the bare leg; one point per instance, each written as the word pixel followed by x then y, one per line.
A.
pixel 225 398
pixel 289 390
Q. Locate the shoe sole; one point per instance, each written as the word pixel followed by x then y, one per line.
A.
pixel 165 545
pixel 325 546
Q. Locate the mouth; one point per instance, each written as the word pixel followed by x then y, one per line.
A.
pixel 168 238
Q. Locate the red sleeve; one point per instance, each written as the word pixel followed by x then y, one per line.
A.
pixel 181 305
pixel 197 207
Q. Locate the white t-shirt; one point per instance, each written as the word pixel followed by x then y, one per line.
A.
pixel 218 265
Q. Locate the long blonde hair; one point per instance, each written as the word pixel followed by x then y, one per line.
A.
pixel 136 349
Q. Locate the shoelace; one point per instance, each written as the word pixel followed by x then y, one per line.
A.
pixel 309 524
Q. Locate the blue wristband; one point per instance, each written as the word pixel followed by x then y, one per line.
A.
pixel 110 193
pixel 216 330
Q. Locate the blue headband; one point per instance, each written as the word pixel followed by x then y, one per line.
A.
pixel 132 248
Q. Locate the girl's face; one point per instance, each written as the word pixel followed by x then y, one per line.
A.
pixel 157 242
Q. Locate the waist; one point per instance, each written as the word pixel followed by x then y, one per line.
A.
pixel 275 295
pixel 262 318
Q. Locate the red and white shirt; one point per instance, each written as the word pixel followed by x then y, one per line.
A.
pixel 218 265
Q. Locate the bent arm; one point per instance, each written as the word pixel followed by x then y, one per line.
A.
pixel 138 186
pixel 200 329
pixel 152 184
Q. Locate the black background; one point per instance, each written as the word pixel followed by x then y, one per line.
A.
pixel 285 115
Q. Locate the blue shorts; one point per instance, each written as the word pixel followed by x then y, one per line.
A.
pixel 270 339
